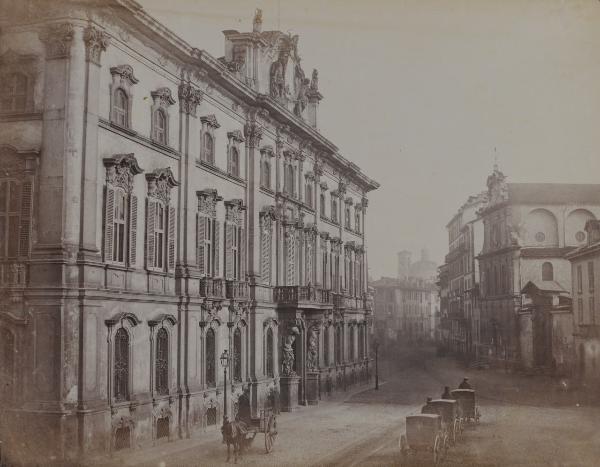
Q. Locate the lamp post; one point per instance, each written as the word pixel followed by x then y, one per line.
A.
pixel 224 363
pixel 376 365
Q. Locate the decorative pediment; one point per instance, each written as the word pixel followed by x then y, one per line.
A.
pixel 349 201
pixel 234 211
pixel 162 319
pixel 324 235
pixel 323 186
pixel 207 201
pixel 125 72
pixel 120 318
pixel 160 183
pixel 163 97
pixel 310 176
pixel 350 246
pixel 267 150
pixel 236 136
pixel 120 170
pixel 270 212
pixel 210 120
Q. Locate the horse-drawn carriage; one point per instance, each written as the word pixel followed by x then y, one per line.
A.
pixel 448 410
pixel 424 434
pixel 241 433
pixel 467 403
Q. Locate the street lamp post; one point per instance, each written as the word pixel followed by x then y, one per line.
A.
pixel 224 363
pixel 377 365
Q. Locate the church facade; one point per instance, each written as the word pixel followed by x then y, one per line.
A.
pixel 160 209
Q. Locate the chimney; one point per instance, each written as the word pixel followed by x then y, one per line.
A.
pixel 403 264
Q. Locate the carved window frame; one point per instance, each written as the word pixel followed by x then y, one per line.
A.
pixel 14 64
pixel 270 367
pixel 266 221
pixel 19 169
pixel 121 170
pixel 160 184
pixel 162 100
pixel 164 323
pixel 334 208
pixel 208 233
pixel 123 80
pixel 266 154
pixel 209 126
pixel 235 240
pixel 234 140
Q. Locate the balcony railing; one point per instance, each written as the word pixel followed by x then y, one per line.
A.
pixel 237 290
pixel 294 294
pixel 13 274
pixel 212 288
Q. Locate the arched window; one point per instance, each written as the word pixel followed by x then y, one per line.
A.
pixel 160 127
pixel 121 365
pixel 208 148
pixel 234 162
pixel 322 204
pixel 121 108
pixel 162 361
pixel 547 272
pixel 309 194
pixel 237 355
pixel 14 95
pixel 269 353
pixel 211 377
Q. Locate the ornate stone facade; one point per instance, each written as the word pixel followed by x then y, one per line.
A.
pixel 235 259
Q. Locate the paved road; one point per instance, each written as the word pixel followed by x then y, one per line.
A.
pixel 525 422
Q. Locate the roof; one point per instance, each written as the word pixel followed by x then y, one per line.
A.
pixel 544 287
pixel 553 193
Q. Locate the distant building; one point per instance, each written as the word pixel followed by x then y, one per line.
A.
pixel 422 269
pixel 405 310
pixel 528 230
pixel 585 267
pixel 461 279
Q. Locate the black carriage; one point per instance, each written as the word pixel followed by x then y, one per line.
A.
pixel 468 404
pixel 448 410
pixel 424 434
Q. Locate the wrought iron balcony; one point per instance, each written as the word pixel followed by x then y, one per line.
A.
pixel 13 274
pixel 212 288
pixel 295 294
pixel 237 290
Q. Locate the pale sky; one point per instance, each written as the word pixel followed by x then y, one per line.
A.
pixel 420 92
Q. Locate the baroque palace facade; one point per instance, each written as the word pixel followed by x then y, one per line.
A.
pixel 159 206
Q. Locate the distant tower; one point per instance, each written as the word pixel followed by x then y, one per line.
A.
pixel 424 254
pixel 403 264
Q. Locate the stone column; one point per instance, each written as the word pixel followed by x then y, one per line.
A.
pixel 253 134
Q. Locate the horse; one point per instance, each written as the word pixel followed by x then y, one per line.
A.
pixel 234 433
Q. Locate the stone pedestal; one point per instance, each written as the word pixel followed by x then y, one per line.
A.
pixel 289 393
pixel 312 388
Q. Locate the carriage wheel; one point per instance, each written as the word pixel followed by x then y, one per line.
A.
pixel 270 433
pixel 437 451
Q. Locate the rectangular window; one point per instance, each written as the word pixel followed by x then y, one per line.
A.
pixel 591 275
pixel 159 236
pixel 592 310
pixel 579 279
pixel 119 230
pixel 580 310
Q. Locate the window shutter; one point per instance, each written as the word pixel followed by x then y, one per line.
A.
pixel 265 256
pixel 229 232
pixel 201 243
pixel 242 253
pixel 150 219
pixel 25 227
pixel 133 218
pixel 171 238
pixel 109 214
pixel 291 247
pixel 216 245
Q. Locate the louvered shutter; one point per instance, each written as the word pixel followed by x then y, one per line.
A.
pixel 291 247
pixel 201 222
pixel 25 222
pixel 109 214
pixel 133 218
pixel 265 256
pixel 150 219
pixel 229 232
pixel 242 253
pixel 171 238
pixel 216 247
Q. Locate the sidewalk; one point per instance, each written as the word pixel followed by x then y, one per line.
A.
pixel 209 442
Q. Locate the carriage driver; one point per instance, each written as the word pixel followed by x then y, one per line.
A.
pixel 446 394
pixel 427 408
pixel 465 384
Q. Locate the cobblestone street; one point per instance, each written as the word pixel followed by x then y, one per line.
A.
pixel 521 416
